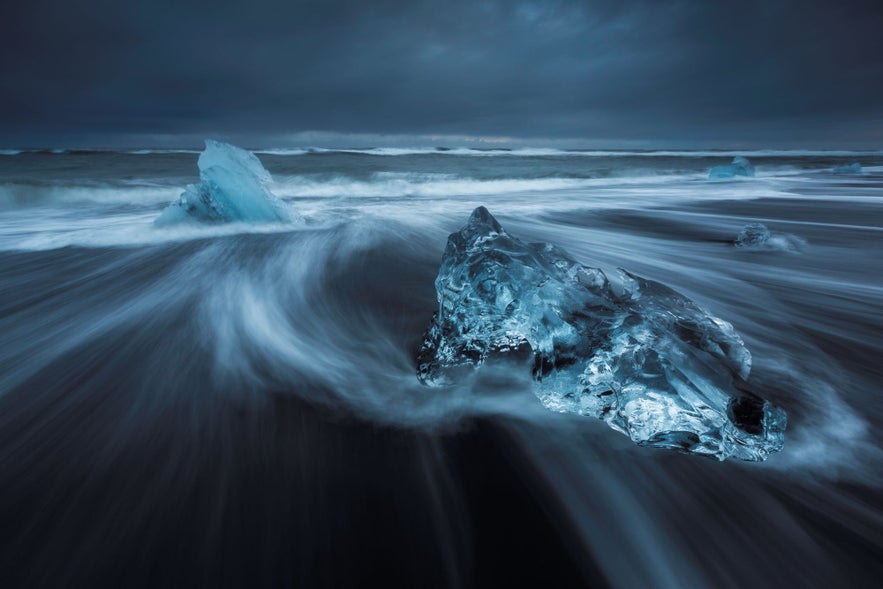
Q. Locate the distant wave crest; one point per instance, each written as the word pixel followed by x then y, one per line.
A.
pixel 469 152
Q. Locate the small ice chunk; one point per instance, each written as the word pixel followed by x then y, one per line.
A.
pixel 848 169
pixel 758 236
pixel 645 359
pixel 753 235
pixel 232 187
pixel 740 166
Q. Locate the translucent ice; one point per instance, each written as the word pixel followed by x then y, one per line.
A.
pixel 740 166
pixel 630 351
pixel 854 168
pixel 232 187
pixel 758 236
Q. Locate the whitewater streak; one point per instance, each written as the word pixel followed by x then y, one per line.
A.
pixel 478 152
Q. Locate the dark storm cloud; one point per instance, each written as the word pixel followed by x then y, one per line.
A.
pixel 768 73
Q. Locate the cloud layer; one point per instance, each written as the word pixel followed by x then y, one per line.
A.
pixel 752 73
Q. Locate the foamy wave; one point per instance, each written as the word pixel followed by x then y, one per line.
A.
pixel 57 228
pixel 160 151
pixel 389 184
pixel 289 151
pixel 478 152
pixel 551 152
pixel 135 195
pixel 88 151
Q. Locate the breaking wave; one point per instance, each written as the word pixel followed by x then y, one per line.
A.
pixel 391 184
pixel 525 152
pixel 549 152
pixel 135 195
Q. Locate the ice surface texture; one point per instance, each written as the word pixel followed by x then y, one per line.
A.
pixel 630 351
pixel 740 166
pixel 849 169
pixel 232 187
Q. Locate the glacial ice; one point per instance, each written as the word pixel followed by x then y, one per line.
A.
pixel 753 235
pixel 740 166
pixel 758 236
pixel 232 187
pixel 848 169
pixel 630 351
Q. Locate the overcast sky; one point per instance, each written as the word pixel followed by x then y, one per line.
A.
pixel 693 73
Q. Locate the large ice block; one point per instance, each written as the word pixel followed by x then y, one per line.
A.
pixel 630 351
pixel 232 187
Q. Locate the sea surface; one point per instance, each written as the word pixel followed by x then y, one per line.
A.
pixel 237 405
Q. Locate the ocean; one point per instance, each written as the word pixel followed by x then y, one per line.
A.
pixel 237 405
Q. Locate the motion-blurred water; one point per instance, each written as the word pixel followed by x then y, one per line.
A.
pixel 230 405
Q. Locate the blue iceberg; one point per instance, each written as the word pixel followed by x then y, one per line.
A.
pixel 232 187
pixel 630 351
pixel 740 166
pixel 848 169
